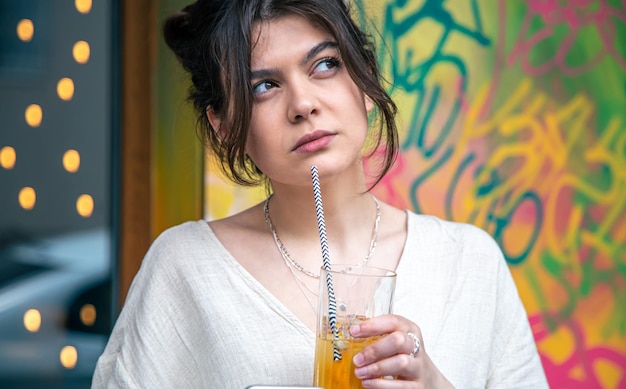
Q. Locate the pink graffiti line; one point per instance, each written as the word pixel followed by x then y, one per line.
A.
pixel 562 375
pixel 575 15
pixel 386 190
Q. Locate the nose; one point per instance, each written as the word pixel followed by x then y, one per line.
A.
pixel 302 103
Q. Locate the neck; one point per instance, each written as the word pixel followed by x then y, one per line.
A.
pixel 349 215
pixel 342 215
pixel 354 244
pixel 345 201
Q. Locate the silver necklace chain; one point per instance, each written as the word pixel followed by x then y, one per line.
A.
pixel 291 262
pixel 302 286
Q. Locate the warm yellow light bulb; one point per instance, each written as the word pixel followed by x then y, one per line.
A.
pixel 88 314
pixel 27 198
pixel 65 89
pixel 7 157
pixel 84 205
pixel 25 30
pixel 68 357
pixel 81 52
pixel 71 161
pixel 33 115
pixel 83 6
pixel 32 320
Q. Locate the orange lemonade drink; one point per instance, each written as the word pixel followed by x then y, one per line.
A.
pixel 331 374
pixel 348 295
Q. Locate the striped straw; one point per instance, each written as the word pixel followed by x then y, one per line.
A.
pixel 321 226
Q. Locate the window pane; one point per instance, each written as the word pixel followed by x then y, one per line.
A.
pixel 56 197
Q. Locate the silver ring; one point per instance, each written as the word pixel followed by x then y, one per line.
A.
pixel 416 349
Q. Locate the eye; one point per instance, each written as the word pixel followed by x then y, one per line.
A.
pixel 327 65
pixel 263 87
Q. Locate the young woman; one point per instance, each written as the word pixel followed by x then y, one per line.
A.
pixel 280 86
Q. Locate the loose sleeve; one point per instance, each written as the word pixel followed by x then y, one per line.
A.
pixel 155 331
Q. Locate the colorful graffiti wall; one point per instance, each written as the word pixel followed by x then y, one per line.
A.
pixel 513 118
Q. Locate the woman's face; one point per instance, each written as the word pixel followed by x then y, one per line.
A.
pixel 307 110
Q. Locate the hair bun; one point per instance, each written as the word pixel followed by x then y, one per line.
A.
pixel 177 32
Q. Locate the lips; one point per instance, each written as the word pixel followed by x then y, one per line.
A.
pixel 314 141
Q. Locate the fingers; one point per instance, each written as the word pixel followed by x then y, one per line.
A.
pixel 390 356
pixel 397 353
pixel 400 365
pixel 401 337
pixel 393 344
pixel 383 325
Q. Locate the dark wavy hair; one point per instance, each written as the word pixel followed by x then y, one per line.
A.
pixel 213 41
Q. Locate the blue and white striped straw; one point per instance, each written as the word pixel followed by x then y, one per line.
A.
pixel 321 226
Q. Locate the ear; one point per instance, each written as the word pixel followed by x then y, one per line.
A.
pixel 369 104
pixel 214 120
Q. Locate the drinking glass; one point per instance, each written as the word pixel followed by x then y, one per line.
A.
pixel 360 292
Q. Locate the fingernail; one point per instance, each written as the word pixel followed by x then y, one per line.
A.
pixel 360 372
pixel 355 330
pixel 358 360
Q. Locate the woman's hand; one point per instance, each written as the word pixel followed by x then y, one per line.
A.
pixel 400 353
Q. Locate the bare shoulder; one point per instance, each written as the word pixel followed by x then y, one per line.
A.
pixel 396 219
pixel 247 219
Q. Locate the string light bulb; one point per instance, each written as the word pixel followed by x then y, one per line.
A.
pixel 27 198
pixel 71 161
pixel 7 157
pixel 83 6
pixel 32 320
pixel 25 30
pixel 68 357
pixel 33 115
pixel 84 205
pixel 65 89
pixel 81 52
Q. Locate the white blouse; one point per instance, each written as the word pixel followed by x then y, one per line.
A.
pixel 195 318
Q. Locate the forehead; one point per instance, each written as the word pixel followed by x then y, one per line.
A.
pixel 290 36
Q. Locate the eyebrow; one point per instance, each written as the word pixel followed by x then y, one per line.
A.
pixel 318 49
pixel 268 73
